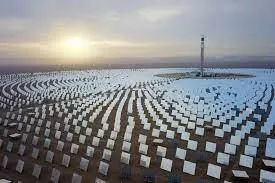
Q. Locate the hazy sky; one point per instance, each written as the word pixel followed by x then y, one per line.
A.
pixel 136 28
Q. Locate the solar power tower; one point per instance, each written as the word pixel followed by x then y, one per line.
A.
pixel 202 55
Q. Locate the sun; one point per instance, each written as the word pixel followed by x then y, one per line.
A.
pixel 76 47
pixel 76 43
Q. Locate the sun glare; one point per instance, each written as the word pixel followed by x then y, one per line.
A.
pixel 76 47
pixel 76 43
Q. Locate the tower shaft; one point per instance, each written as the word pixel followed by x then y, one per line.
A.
pixel 202 55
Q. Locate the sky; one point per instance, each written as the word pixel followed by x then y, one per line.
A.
pixel 75 29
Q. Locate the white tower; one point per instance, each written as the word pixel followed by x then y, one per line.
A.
pixel 202 55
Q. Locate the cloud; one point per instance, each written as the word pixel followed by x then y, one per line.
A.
pixel 106 48
pixel 156 14
pixel 56 49
pixel 13 24
pixel 19 45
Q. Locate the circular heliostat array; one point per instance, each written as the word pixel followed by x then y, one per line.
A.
pixel 132 126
